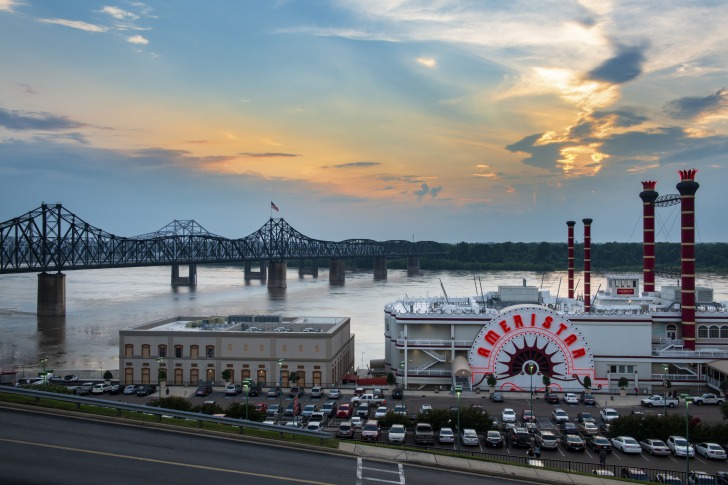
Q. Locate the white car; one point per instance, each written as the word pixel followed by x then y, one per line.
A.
pixel 425 408
pixel 446 436
pixel 626 444
pixel 680 446
pixel 315 426
pixel 100 388
pixel 469 437
pixel 608 414
pixel 508 415
pixel 559 415
pixel 397 434
pixel 571 398
pixel 381 412
pixel 710 450
pixel 357 421
pixel 334 394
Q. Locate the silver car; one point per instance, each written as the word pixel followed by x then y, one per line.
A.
pixel 397 434
pixel 469 438
pixel 655 447
pixel 446 436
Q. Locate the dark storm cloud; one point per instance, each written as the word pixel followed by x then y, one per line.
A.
pixel 267 155
pixel 623 67
pixel 542 156
pixel 29 120
pixel 692 107
pixel 622 118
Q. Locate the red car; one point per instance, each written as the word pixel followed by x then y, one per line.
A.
pixel 344 411
pixel 527 416
pixel 552 398
pixel 262 407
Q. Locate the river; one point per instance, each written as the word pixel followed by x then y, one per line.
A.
pixel 102 302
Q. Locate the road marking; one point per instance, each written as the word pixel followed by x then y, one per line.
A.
pixel 164 462
pixel 360 473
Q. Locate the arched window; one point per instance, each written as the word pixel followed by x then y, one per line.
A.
pixel 671 331
pixel 145 352
pixel 702 331
pixel 129 352
pixel 145 375
pixel 178 351
pixel 714 332
pixel 724 331
pixel 210 351
pixel 162 351
pixel 194 353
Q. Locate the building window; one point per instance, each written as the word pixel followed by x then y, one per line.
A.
pixel 145 375
pixel 714 332
pixel 128 350
pixel 724 331
pixel 162 351
pixel 702 331
pixel 230 347
pixel 145 351
pixel 194 351
pixel 178 351
pixel 210 351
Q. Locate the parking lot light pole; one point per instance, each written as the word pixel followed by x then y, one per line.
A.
pixel 159 375
pixel 530 371
pixel 246 387
pixel 458 391
pixel 664 383
pixel 280 385
pixel 43 360
pixel 687 439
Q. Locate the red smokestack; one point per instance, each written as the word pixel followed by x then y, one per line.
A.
pixel 687 188
pixel 570 239
pixel 648 196
pixel 587 265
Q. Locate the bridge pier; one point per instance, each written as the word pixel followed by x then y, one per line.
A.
pixel 304 270
pixel 189 280
pixel 413 265
pixel 256 275
pixel 380 268
pixel 277 274
pixel 51 295
pixel 337 267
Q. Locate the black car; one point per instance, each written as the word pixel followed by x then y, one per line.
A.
pixel 599 443
pixel 397 393
pixel 291 411
pixel 572 442
pixel 552 398
pixel 496 397
pixel 587 399
pixel 296 391
pixel 568 428
pixel 519 437
pixel 116 389
pixel 203 390
pixel 146 390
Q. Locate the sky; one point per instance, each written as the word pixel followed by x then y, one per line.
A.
pixel 443 120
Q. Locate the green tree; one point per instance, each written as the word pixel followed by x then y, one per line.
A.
pixel 162 375
pixel 391 380
pixel 623 382
pixel 177 403
pixel 587 383
pixel 208 408
pixel 492 381
pixel 108 375
pixel 546 382
pixel 293 379
pixel 226 374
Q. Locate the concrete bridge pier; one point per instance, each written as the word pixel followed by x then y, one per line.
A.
pixel 380 268
pixel 277 274
pixel 337 267
pixel 256 275
pixel 303 269
pixel 413 265
pixel 189 280
pixel 51 295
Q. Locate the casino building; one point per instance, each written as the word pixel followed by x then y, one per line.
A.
pixel 676 334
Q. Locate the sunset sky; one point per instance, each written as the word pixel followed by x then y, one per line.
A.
pixel 446 120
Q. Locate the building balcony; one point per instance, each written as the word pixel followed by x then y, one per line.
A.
pixel 445 343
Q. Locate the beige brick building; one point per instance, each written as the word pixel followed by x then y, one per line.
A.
pixel 265 348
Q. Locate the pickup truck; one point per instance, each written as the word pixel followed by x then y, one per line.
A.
pixel 708 399
pixel 659 401
pixel 370 399
pixel 424 435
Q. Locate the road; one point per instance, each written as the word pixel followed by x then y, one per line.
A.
pixel 42 448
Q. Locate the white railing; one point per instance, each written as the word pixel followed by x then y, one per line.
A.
pixel 676 377
pixel 432 343
pixel 720 354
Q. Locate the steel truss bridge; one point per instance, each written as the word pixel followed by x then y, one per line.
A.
pixel 50 238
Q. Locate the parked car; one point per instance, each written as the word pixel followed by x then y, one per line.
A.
pixel 626 444
pixel 293 409
pixel 710 450
pixel 469 437
pixel 381 412
pixel 203 390
pixel 70 378
pixel 527 416
pixel 587 399
pixel 425 408
pixel 559 415
pixel 84 389
pixel 357 421
pixel 397 393
pixel 315 425
pixel 273 409
pixel 370 431
pixel 700 478
pixel 334 394
pixel 362 410
pixel 519 437
pixel 316 392
pixel 668 478
pixel 308 410
pixel 585 416
pixel 634 473
pixel 508 416
pixel 608 414
pixel 273 392
pixel 588 428
pixel 446 435
pixel 345 430
pixel 130 389
pixel 546 439
pixel 100 388
pixel 115 389
pixel 261 407
pixel 400 409
pixel 571 398
pixel 572 442
pixel 680 446
pixel 296 391
pixel 493 439
pixel 397 434
pixel 359 391
pixel 233 389
pixel 496 397
pixel 552 398
pixel 344 411
pixel 599 443
pixel 146 390
pixel 567 427
pixel 655 447
pixel 329 409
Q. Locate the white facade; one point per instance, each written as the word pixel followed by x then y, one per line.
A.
pixel 265 348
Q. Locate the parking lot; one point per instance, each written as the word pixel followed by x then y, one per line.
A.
pixel 542 411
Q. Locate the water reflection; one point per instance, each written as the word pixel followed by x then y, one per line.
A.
pixel 51 332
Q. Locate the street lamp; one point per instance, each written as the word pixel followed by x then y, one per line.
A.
pixel 43 360
pixel 687 444
pixel 458 391
pixel 530 371
pixel 280 385
pixel 664 383
pixel 246 387
pixel 160 360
